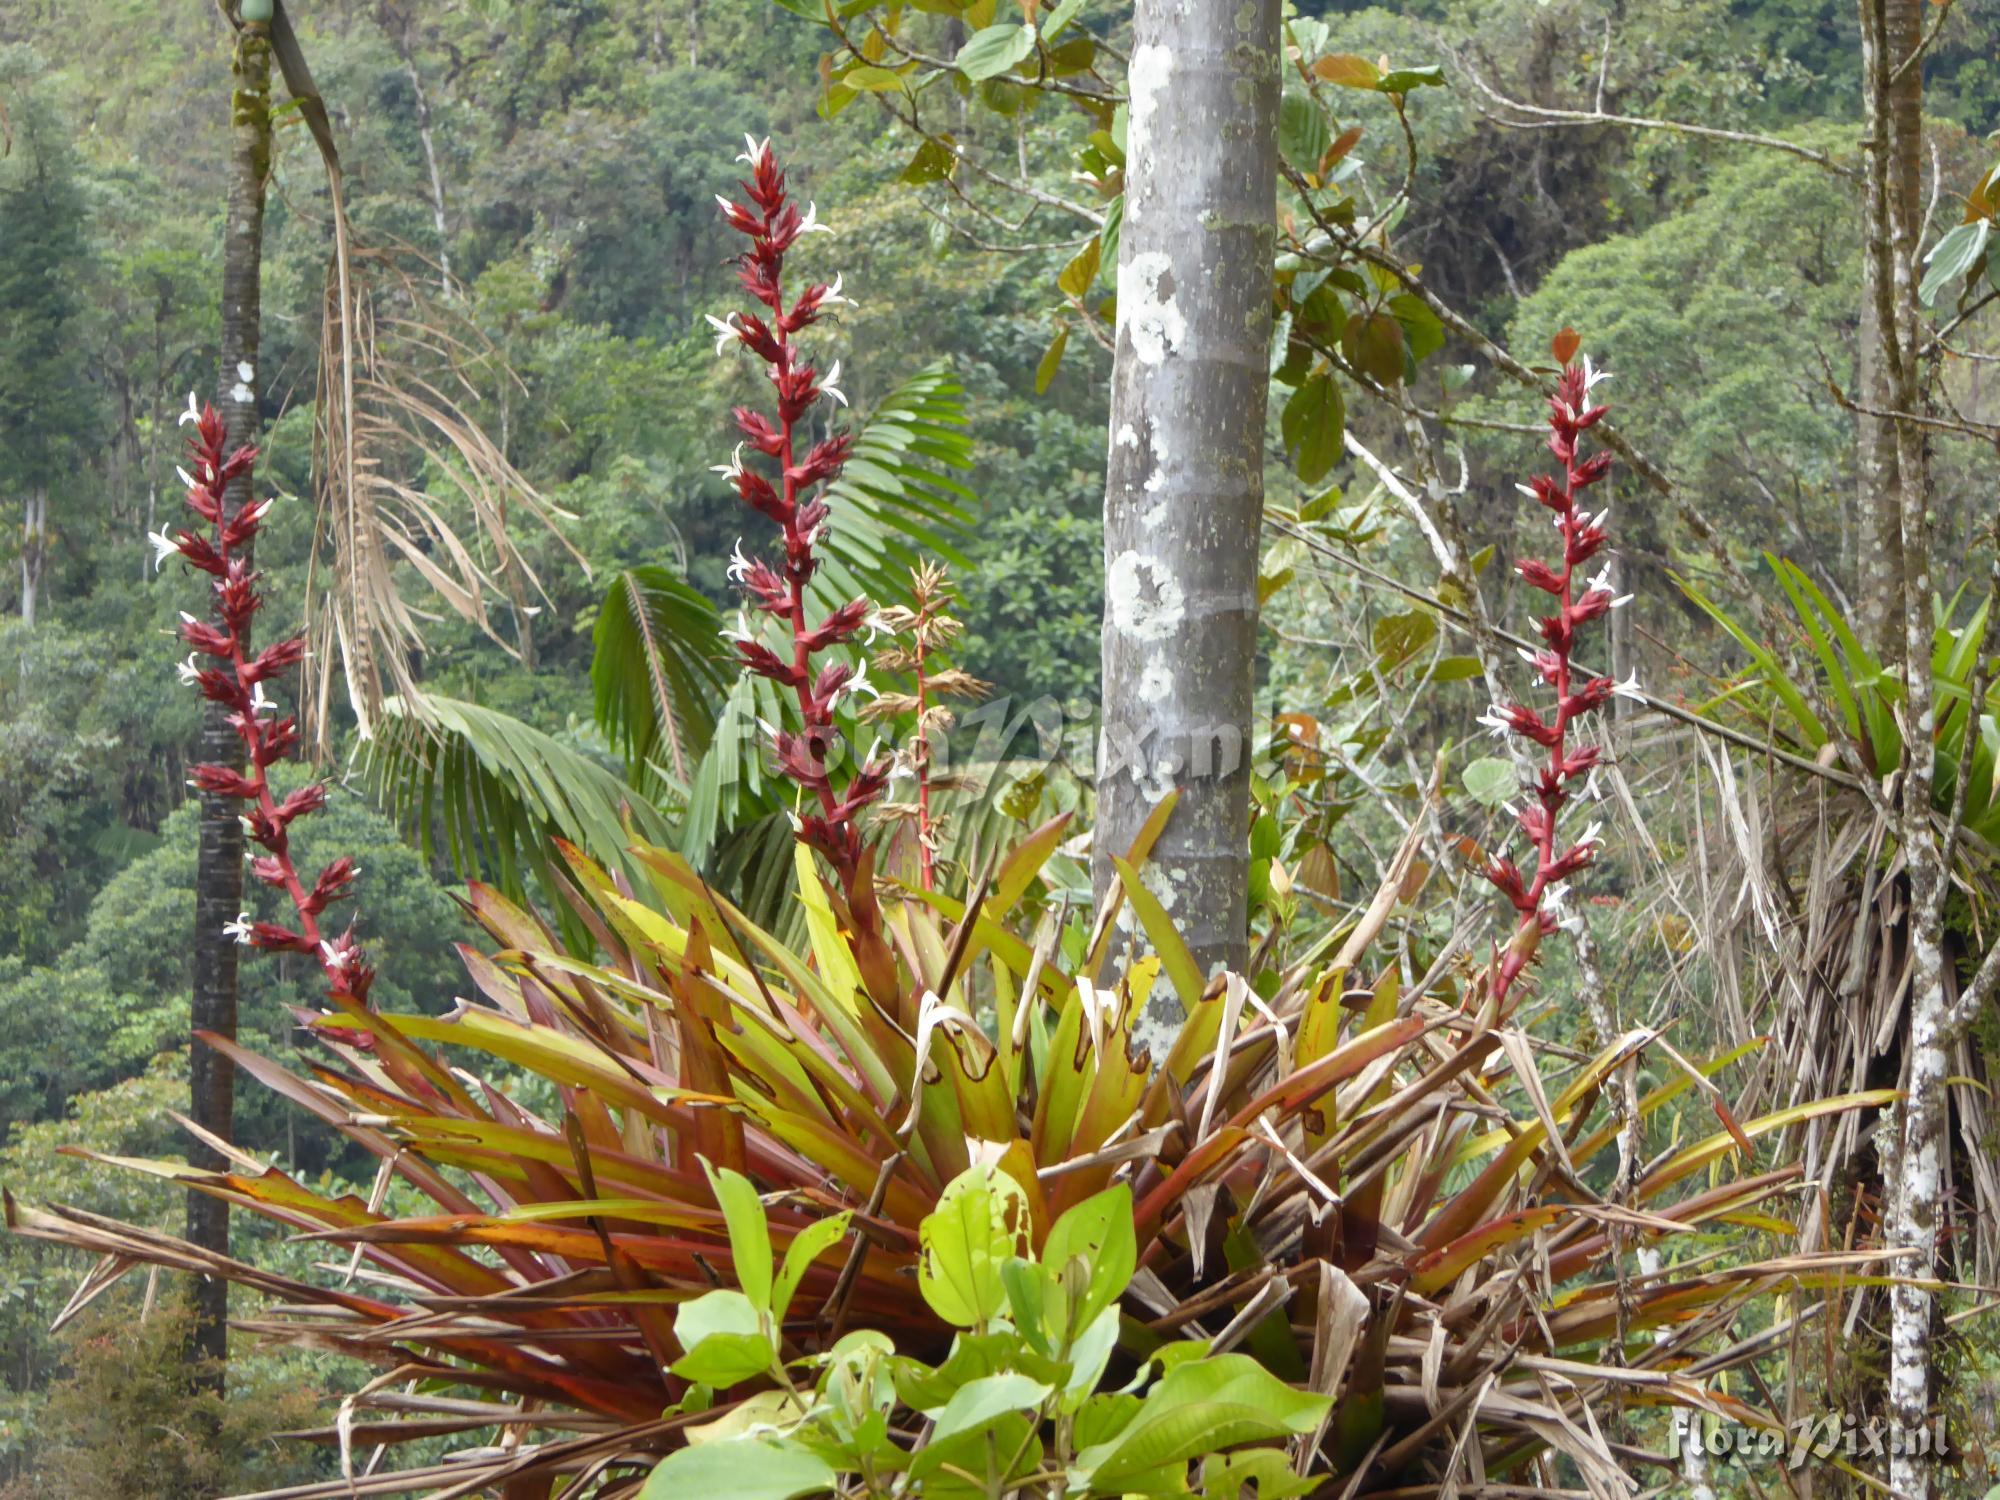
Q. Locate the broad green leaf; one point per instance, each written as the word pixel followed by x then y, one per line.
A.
pixel 989 53
pixel 981 1219
pixel 978 1403
pixel 1064 12
pixel 723 1334
pixel 806 1247
pixel 746 1468
pixel 1099 1232
pixel 1491 780
pixel 933 162
pixel 749 1232
pixel 1423 333
pixel 1201 1407
pixel 1313 424
pixel 872 80
pixel 1303 134
pixel 1952 256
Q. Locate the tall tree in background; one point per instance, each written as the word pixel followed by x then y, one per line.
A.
pixel 1893 90
pixel 219 864
pixel 1184 486
pixel 46 410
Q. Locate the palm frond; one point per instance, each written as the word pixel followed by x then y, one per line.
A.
pixel 498 790
pixel 654 671
pixel 404 474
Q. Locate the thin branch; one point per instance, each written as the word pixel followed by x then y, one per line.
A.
pixel 1543 117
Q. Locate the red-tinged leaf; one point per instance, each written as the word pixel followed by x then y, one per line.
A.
pixel 1347 70
pixel 1433 1272
pixel 1565 344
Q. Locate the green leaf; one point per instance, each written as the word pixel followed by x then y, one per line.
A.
pixel 1077 276
pixel 873 80
pixel 1397 638
pixel 1201 1407
pixel 978 1403
pixel 981 1219
pixel 989 53
pixel 806 1247
pixel 1952 256
pixel 1303 134
pixel 1098 1231
pixel 723 1334
pixel 1402 80
pixel 1313 423
pixel 1051 360
pixel 1061 16
pixel 934 162
pixel 1373 344
pixel 1491 780
pixel 746 1468
pixel 1107 237
pixel 1423 333
pixel 749 1233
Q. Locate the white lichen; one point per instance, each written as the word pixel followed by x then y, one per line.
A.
pixel 1147 315
pixel 1147 602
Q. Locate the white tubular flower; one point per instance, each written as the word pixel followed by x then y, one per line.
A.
pixel 1555 895
pixel 859 683
pixel 1527 656
pixel 740 632
pixel 732 471
pixel 1629 688
pixel 1602 583
pixel 827 386
pixel 193 412
pixel 1594 834
pixel 1497 724
pixel 1592 375
pixel 832 297
pixel 258 702
pixel 239 929
pixel 184 477
pixel 1528 490
pixel 739 565
pixel 810 224
pixel 164 547
pixel 754 150
pixel 726 332
pixel 187 671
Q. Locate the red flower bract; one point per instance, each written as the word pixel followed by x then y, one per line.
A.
pixel 1570 415
pixel 234 678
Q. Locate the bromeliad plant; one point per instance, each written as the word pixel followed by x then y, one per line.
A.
pixel 1362 1180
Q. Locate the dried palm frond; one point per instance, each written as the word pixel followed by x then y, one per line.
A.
pixel 404 474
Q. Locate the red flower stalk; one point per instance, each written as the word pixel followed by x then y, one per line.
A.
pixel 235 678
pixel 1534 894
pixel 794 499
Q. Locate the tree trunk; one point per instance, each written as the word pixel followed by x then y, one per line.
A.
pixel 407 49
pixel 1898 122
pixel 1913 1132
pixel 1184 494
pixel 219 867
pixel 34 551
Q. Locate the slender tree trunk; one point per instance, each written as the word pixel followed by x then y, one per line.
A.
pixel 423 103
pixel 1897 121
pixel 34 551
pixel 1184 492
pixel 219 867
pixel 1914 1136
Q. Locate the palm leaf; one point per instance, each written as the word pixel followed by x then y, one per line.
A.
pixel 498 790
pixel 654 671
